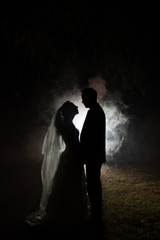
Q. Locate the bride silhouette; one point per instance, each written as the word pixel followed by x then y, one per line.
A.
pixel 64 195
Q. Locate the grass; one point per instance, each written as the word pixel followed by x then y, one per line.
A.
pixel 131 200
pixel 131 203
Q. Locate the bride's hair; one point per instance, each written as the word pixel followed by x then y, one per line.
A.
pixel 62 114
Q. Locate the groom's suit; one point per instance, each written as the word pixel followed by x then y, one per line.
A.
pixel 92 141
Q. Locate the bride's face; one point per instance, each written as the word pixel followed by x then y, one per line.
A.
pixel 75 110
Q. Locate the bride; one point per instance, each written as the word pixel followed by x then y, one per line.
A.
pixel 64 195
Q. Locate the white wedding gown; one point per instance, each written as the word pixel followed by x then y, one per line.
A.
pixel 67 201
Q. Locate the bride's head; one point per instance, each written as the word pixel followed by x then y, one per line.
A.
pixel 66 112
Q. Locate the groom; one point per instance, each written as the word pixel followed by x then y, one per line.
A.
pixel 92 142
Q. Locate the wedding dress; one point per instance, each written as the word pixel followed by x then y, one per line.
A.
pixel 64 196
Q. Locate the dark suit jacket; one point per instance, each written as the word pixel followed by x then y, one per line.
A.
pixel 92 139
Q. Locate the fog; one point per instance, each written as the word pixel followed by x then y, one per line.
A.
pixel 116 121
pixel 130 137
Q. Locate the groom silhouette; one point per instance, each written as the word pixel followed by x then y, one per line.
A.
pixel 92 142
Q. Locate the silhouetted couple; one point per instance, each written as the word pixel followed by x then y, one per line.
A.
pixel 64 195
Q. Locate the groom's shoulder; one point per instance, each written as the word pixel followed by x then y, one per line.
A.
pixel 99 108
pixel 97 111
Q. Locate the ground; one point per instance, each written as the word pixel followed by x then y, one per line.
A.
pixel 131 202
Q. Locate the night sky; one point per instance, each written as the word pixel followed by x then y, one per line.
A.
pixel 59 45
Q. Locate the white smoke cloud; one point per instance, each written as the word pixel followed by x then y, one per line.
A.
pixel 116 121
pixel 116 127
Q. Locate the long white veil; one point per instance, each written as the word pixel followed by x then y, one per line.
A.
pixel 52 148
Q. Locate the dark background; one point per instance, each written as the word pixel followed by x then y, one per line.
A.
pixel 41 44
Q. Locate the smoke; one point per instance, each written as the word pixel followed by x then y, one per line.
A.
pixel 116 120
pixel 116 124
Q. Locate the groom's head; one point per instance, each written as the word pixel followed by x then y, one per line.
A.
pixel 89 97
